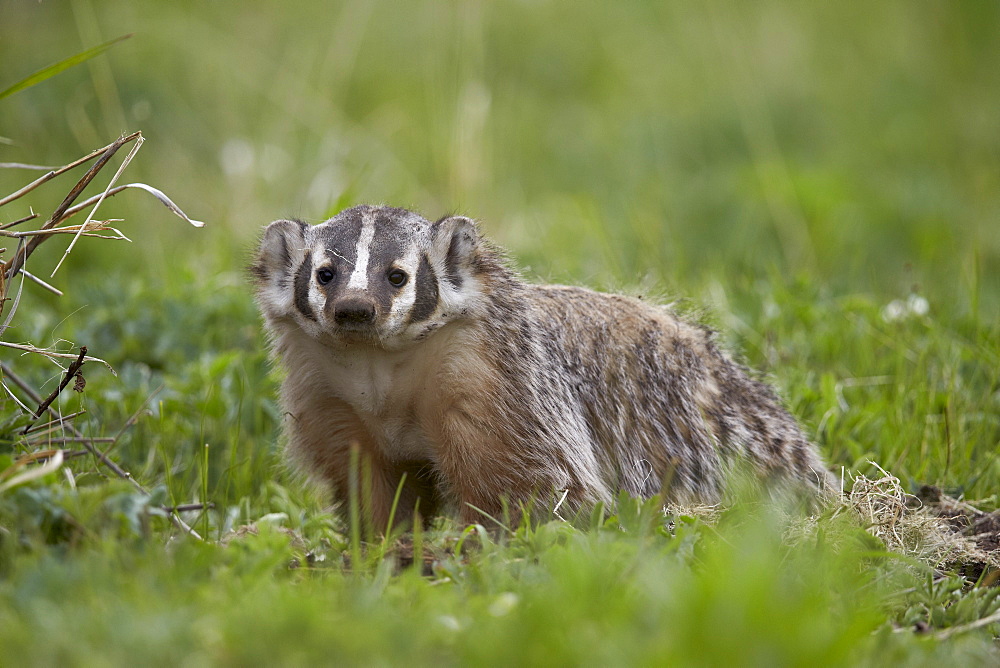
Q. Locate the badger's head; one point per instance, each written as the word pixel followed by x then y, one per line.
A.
pixel 371 275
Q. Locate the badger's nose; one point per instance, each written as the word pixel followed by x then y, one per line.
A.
pixel 353 312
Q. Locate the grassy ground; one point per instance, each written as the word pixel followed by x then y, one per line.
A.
pixel 821 185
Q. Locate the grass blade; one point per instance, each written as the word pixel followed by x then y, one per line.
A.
pixel 54 69
pixel 53 464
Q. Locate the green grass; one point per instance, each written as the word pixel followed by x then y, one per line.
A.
pixel 796 176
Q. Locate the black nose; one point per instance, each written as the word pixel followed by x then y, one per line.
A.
pixel 354 312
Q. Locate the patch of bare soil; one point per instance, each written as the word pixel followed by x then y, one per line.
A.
pixel 969 522
pixel 949 534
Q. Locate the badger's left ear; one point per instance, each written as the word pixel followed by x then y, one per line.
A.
pixel 282 241
pixel 454 240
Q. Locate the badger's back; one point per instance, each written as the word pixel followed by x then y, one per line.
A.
pixel 663 404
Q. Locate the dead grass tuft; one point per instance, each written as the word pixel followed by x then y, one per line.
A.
pixel 34 446
pixel 936 533
pixel 948 534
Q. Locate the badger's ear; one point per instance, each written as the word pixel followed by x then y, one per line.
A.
pixel 282 240
pixel 455 239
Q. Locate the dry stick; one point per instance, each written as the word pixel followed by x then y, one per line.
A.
pixel 24 165
pixel 19 221
pixel 73 454
pixel 42 283
pixel 50 354
pixel 188 507
pixel 73 210
pixel 979 623
pixel 158 194
pixel 117 470
pixel 52 423
pixel 34 396
pixel 73 439
pixel 51 175
pixel 67 454
pixel 17 261
pixel 71 372
pixel 5 289
pixel 114 179
pixel 72 229
pixel 14 397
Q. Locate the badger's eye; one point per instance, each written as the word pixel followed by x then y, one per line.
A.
pixel 397 277
pixel 324 275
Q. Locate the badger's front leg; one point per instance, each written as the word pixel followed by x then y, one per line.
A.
pixel 329 441
pixel 485 466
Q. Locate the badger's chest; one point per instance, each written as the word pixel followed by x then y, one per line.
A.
pixel 395 392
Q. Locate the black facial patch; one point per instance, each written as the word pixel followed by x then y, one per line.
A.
pixel 339 237
pixel 303 277
pixel 426 300
pixel 286 253
pixel 284 257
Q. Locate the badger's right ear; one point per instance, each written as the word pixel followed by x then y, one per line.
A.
pixel 455 239
pixel 282 240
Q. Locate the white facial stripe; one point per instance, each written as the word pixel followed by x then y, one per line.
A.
pixel 359 277
pixel 317 300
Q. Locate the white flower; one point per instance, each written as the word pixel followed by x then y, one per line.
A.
pixel 899 309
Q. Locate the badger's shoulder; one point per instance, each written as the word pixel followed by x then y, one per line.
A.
pixel 574 315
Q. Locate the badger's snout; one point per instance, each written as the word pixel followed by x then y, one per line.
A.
pixel 353 312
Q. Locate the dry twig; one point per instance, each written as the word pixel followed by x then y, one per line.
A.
pixel 14 223
pixel 72 372
pixel 189 507
pixel 54 423
pixel 92 449
pixel 944 634
pixel 27 242
pixel 12 266
pixel 49 353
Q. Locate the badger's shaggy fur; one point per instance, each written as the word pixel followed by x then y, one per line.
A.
pixel 416 345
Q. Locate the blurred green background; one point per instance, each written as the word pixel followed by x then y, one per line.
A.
pixel 818 181
pixel 603 142
pixel 821 181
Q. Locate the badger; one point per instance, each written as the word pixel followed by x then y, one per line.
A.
pixel 415 354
